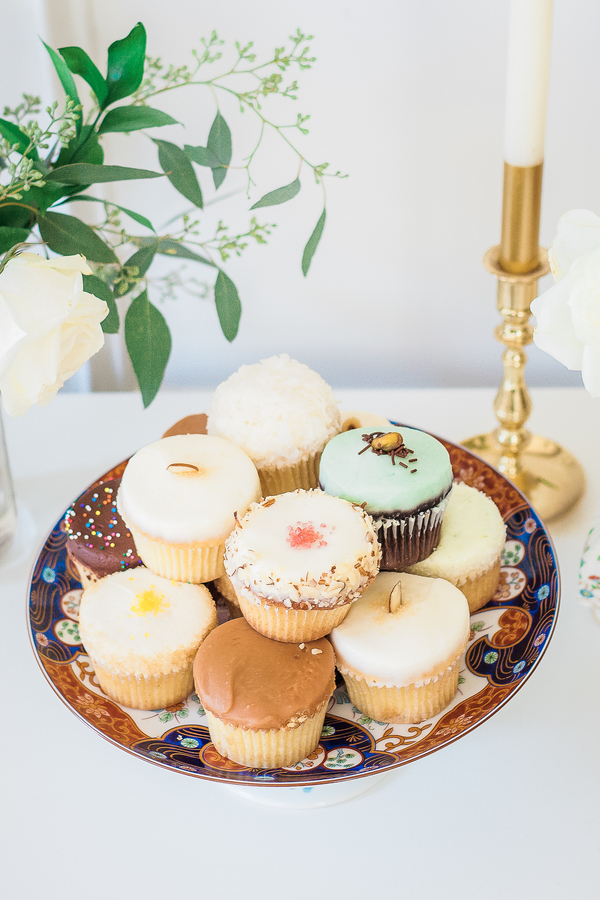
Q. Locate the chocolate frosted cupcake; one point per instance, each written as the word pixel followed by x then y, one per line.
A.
pixel 99 542
pixel 402 478
pixel 265 700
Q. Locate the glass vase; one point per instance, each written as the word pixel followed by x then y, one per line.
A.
pixel 8 510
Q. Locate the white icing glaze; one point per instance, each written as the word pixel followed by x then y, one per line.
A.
pixel 410 646
pixel 472 538
pixel 143 624
pixel 278 411
pixel 187 507
pixel 304 546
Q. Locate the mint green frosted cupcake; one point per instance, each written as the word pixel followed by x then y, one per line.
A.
pixel 402 477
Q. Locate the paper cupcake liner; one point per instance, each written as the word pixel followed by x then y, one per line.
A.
pixel 146 691
pixel 181 562
pixel 266 749
pixel 281 623
pixel 86 576
pixel 226 589
pixel 404 705
pixel 281 480
pixel 481 589
pixel 407 540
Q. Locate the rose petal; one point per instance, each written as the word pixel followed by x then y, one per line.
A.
pixel 554 332
pixel 590 370
pixel 49 327
pixel 578 231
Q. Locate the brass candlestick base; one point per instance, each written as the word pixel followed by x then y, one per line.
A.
pixel 549 476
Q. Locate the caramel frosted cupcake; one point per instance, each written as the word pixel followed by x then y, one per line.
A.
pixel 179 496
pixel 99 542
pixel 470 549
pixel 281 414
pixel 298 560
pixel 400 646
pixel 194 424
pixel 265 701
pixel 142 633
pixel 402 477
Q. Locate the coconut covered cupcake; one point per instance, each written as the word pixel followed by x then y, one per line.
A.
pixel 400 646
pixel 265 701
pixel 298 560
pixel 142 633
pixel 281 414
pixel 470 549
pixel 403 479
pixel 179 497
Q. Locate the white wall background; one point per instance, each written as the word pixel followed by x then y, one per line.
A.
pixel 405 97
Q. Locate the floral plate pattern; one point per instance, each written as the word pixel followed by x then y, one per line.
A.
pixel 508 637
pixel 589 569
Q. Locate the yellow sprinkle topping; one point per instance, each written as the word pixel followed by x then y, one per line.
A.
pixel 149 602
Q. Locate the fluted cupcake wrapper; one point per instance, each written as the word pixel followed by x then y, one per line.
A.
pixel 409 539
pixel 146 691
pixel 480 589
pixel 266 748
pixel 181 562
pixel 404 705
pixel 281 623
pixel 280 480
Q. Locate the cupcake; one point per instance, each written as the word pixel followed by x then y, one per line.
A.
pixel 470 549
pixel 194 424
pixel 141 633
pixel 356 418
pixel 298 560
pixel 225 588
pixel 99 543
pixel 179 497
pixel 399 647
pixel 265 701
pixel 403 479
pixel 281 414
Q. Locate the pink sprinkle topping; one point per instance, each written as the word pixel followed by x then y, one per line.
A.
pixel 305 536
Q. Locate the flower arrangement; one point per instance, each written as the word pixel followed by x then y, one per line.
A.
pixel 568 314
pixel 51 158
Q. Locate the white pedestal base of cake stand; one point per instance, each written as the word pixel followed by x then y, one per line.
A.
pixel 308 797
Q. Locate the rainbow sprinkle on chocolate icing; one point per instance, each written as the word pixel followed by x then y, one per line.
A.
pixel 98 537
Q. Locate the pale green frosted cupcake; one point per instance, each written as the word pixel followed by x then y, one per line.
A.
pixel 402 477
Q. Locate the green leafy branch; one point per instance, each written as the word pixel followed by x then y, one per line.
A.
pixel 51 158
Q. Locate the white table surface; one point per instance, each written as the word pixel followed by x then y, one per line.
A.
pixel 512 810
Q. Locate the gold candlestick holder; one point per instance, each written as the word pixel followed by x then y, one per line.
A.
pixel 549 476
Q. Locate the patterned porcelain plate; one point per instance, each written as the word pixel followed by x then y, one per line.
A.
pixel 589 569
pixel 508 637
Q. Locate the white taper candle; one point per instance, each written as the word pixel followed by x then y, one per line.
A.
pixel 529 42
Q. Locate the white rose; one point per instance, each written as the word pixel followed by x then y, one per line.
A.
pixel 568 314
pixel 49 326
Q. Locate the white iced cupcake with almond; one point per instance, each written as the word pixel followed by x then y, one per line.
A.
pixel 179 497
pixel 297 562
pixel 281 414
pixel 400 645
pixel 142 632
